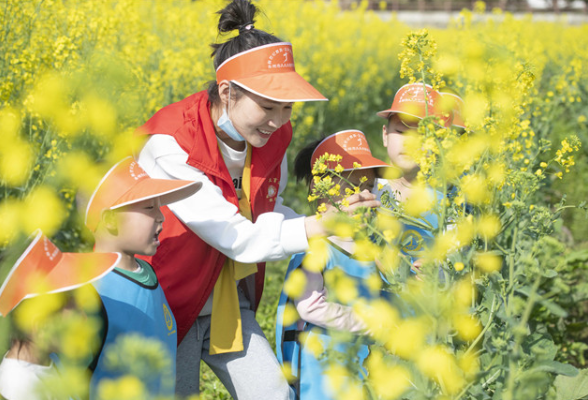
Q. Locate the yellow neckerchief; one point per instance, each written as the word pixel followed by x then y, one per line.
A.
pixel 225 325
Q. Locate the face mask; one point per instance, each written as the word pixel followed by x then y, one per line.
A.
pixel 225 123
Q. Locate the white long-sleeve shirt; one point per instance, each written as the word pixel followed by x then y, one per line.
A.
pixel 274 235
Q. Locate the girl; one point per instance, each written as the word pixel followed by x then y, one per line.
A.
pixel 320 315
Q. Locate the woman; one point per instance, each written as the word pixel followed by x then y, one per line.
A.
pixel 232 138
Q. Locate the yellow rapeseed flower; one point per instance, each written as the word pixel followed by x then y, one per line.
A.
pixel 419 201
pixel 290 314
pixel 407 339
pixel 295 284
pixel 488 226
pixel 388 379
pixel 312 342
pixel 467 326
pixel 287 371
pixel 475 189
pixel 11 213
pixel 127 387
pixel 438 364
pixel 316 256
pixel 16 162
pixel 488 262
pixel 44 211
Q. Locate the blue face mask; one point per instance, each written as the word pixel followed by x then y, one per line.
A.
pixel 225 123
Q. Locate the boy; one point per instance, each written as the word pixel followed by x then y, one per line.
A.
pixel 39 277
pixel 409 106
pixel 124 215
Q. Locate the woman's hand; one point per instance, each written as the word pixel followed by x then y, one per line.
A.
pixel 315 226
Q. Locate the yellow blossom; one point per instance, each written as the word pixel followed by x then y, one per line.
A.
pixel 488 262
pixel 408 337
pixel 420 200
pixel 488 226
pixel 290 314
pixel 389 380
pixel 316 256
pixel 468 328
pixel 295 284
pixel 438 364
pixel 312 342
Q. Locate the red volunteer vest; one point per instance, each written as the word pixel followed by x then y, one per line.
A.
pixel 186 266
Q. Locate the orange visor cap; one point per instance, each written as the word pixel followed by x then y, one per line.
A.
pixel 454 103
pixel 127 183
pixel 268 71
pixel 412 104
pixel 44 269
pixel 353 146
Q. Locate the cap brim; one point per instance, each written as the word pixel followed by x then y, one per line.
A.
pixel 27 279
pixel 365 162
pixel 387 113
pixel 283 87
pixel 167 190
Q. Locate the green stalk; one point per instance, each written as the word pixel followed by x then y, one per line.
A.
pixel 518 339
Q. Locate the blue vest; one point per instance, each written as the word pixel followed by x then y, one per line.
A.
pixel 133 308
pixel 413 240
pixel 306 368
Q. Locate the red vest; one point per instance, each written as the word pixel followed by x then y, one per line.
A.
pixel 187 267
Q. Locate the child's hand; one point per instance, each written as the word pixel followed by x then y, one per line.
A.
pixel 356 200
pixel 416 268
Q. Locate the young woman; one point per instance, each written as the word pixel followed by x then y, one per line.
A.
pixel 232 138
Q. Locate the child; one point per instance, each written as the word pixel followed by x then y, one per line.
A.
pixel 318 314
pixel 409 106
pixel 27 365
pixel 124 215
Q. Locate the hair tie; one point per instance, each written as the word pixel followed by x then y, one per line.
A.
pixel 245 27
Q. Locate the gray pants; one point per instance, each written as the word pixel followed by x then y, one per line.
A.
pixel 253 373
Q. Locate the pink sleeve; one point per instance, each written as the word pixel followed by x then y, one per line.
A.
pixel 313 307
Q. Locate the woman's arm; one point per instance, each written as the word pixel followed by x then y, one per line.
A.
pixel 214 219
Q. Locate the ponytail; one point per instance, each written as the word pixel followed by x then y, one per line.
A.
pixel 237 15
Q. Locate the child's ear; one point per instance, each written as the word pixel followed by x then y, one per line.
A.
pixel 110 222
pixel 384 136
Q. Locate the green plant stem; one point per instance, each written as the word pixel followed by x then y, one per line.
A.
pixel 486 327
pixel 518 336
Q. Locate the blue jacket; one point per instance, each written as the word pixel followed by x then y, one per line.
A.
pixel 308 369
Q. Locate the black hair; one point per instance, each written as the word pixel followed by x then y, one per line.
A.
pixel 302 167
pixel 238 14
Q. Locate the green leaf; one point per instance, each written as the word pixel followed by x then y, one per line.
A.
pixel 554 308
pixel 572 388
pixel 556 368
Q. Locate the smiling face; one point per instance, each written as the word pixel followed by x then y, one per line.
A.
pixel 394 138
pixel 138 227
pixel 254 117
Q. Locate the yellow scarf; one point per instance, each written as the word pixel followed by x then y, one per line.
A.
pixel 225 325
